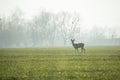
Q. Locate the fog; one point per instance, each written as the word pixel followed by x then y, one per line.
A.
pixel 41 23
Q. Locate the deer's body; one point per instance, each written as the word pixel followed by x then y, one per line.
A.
pixel 78 45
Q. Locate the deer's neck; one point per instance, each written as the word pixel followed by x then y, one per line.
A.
pixel 73 43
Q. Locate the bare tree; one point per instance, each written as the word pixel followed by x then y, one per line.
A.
pixel 11 29
pixel 74 27
pixel 63 23
pixel 68 25
pixel 44 28
pixel 52 29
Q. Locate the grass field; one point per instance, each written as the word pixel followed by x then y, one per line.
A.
pixel 99 63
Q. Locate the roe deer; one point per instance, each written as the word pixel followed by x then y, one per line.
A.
pixel 78 45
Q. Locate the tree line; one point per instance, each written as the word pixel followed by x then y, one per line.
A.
pixel 44 29
pixel 47 28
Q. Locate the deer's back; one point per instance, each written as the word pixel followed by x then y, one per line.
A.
pixel 79 45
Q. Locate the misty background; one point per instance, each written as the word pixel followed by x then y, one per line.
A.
pixel 39 23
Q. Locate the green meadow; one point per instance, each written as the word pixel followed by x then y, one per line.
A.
pixel 60 63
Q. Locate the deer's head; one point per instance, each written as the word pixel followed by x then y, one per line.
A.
pixel 72 40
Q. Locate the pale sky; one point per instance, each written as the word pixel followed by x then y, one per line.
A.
pixel 92 12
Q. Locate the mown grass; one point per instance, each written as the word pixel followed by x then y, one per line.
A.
pixel 98 63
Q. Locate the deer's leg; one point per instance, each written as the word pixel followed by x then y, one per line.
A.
pixel 84 50
pixel 81 50
pixel 76 50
